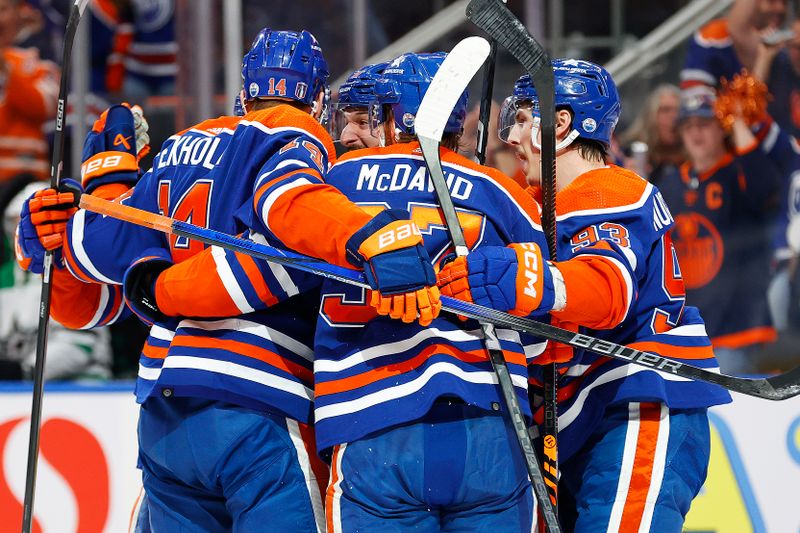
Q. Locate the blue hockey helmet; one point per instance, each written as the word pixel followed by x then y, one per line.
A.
pixel 402 86
pixel 586 89
pixel 359 88
pixel 285 64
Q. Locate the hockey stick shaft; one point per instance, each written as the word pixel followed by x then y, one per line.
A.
pixel 56 165
pixel 780 387
pixel 430 151
pixel 484 115
pixel 495 19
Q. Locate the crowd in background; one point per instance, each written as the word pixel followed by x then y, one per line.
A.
pixel 718 141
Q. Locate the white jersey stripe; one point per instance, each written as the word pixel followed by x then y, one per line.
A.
pixel 78 223
pixel 308 473
pixel 272 197
pixel 150 374
pixel 98 314
pixel 391 348
pixel 626 469
pixel 239 371
pixel 229 281
pixel 253 328
pixel 162 334
pixel 657 476
pixel 409 388
pixel 336 488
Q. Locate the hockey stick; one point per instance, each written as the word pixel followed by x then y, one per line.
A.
pixel 484 114
pixel 780 387
pixel 500 24
pixel 440 98
pixel 56 166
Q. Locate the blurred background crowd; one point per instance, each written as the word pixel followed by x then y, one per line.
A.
pixel 710 113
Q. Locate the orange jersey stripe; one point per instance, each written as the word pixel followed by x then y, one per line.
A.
pixel 670 350
pixel 154 352
pixel 371 376
pixel 247 350
pixel 330 493
pixel 649 421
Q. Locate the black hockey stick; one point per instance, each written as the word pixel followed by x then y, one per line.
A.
pixel 780 387
pixel 484 114
pixel 493 17
pixel 440 98
pixel 56 164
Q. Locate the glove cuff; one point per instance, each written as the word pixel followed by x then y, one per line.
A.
pixel 109 167
pixel 389 230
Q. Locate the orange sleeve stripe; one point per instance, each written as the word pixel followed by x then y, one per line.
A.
pixel 745 338
pixel 317 220
pixel 178 286
pixel 330 494
pixel 246 350
pixel 377 374
pixel 256 279
pixel 597 292
pixel 74 303
pixel 642 474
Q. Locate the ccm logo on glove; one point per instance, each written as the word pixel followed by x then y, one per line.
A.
pixel 531 257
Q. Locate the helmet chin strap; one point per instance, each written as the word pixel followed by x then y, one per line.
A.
pixel 566 141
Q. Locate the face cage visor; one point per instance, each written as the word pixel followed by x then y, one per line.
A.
pixel 513 117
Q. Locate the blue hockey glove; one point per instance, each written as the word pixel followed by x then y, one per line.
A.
pixel 397 266
pixel 43 221
pixel 139 283
pixel 389 249
pixel 113 148
pixel 492 277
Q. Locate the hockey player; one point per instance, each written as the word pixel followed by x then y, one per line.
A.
pixel 186 379
pixel 634 444
pixel 349 122
pixel 425 401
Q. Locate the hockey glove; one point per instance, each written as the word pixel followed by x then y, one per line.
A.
pixel 43 221
pixel 389 248
pixel 113 148
pixel 139 284
pixel 492 277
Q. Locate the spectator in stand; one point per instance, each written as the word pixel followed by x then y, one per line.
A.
pixel 725 46
pixel 656 127
pixel 28 94
pixel 723 201
pixel 135 53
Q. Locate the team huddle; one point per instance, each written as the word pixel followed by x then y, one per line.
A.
pixel 277 400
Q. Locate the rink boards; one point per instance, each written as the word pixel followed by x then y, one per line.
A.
pixel 88 481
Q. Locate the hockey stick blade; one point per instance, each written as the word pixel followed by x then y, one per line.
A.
pixel 449 83
pixel 780 387
pixel 437 105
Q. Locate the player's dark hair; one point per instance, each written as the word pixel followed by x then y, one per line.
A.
pixel 258 104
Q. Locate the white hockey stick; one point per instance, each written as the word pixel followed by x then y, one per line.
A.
pixel 437 105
